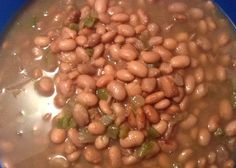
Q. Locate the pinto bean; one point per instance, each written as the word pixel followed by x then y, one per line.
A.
pixel 161 127
pixel 42 41
pixel 101 6
pixel 109 36
pixel 114 50
pixel 189 84
pixel 67 45
pixel 230 128
pixel 156 40
pixel 98 51
pixel 59 100
pixel 82 55
pixel 137 68
pixel 115 10
pixel 124 75
pixel 167 84
pixel 117 90
pixel 57 136
pixel 163 52
pixel 213 123
pixel 128 52
pixel 153 29
pixel 91 154
pixel 154 97
pixel 180 61
pixel 87 99
pixel 86 81
pixel 148 84
pixel 189 122
pixel 74 156
pixel 151 114
pixel 225 109
pixel 150 57
pixel 65 88
pixel 114 154
pixel 167 146
pixel 185 155
pixel 223 39
pixel 204 137
pixel 170 44
pixel 140 119
pixel 163 104
pixel 196 13
pixel 96 128
pixel 104 18
pixel 105 107
pixel 80 114
pixel 204 43
pixel 120 17
pixel 74 137
pixel 126 30
pixel 45 86
pixel 221 73
pixel 177 7
pixel 144 19
pixel 200 91
pixel 134 138
pixel 129 160
pixel 133 89
pixel 104 80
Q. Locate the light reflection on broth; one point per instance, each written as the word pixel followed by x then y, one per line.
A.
pixel 26 117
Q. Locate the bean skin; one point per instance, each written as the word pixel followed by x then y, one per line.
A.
pixel 168 86
pixel 150 57
pixel 154 97
pixel 87 99
pixel 185 155
pixel 115 156
pixel 101 142
pixel 163 104
pixel 204 137
pixel 74 156
pixel 124 75
pixel 134 138
pixel 163 52
pixel 96 128
pixel 189 84
pixel 225 109
pixel 58 136
pixel 92 155
pixel 177 7
pixel 80 114
pixel 45 86
pixel 109 36
pixel 105 107
pixel 161 127
pixel 137 68
pixel 104 80
pixel 41 41
pixel 200 91
pixel 170 44
pixel 213 123
pixel 98 51
pixel 196 13
pixel 117 90
pixel 230 128
pixel 126 30
pixel 120 17
pixel 67 45
pixel 86 81
pixel 133 89
pixel 180 61
pixel 189 122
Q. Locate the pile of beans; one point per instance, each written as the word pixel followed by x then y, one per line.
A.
pixel 129 90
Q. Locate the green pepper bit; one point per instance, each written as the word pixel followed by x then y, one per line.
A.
pixel 66 122
pixel 124 131
pixel 102 93
pixel 89 52
pixel 113 131
pixel 145 149
pixel 152 133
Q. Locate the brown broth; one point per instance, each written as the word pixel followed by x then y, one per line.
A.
pixel 24 138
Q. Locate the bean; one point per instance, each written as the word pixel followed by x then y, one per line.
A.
pixel 109 70
pixel 101 142
pixel 170 44
pixel 182 37
pixel 104 18
pixel 114 50
pixel 133 89
pixel 142 16
pixel 120 17
pixel 163 104
pixel 115 10
pixel 225 109
pixel 180 61
pixel 134 138
pixel 213 123
pixel 167 84
pixel 82 55
pixel 220 73
pixel 73 156
pixel 81 116
pixel 166 68
pixel 161 127
pixel 229 164
pixel 67 45
pixel 119 39
pixel 45 86
pixel 185 155
pixel 164 53
pixel 129 160
pixel 202 26
pixel 167 146
pixel 86 69
pixel 134 21
pixel 153 29
pixel 211 24
pixel 139 29
pixel 86 81
pixel 124 75
pixel 42 41
pixel 91 154
pixel 223 39
pixel 204 137
pixel 182 49
pixel 57 136
pixel 98 51
pixel 190 164
pixel 100 28
pixel 120 112
pixel 104 80
pixel 117 90
pixel 153 72
pixel 151 114
pixel 204 43
pixel 87 99
pixel 99 63
pixel 199 75
pixel 230 128
pixel 96 128
pixel 163 160
pixel 65 88
pixel 115 156
pixel 189 84
pixel 140 119
pixel 101 6
pixel 211 157
pixel 126 30
pixel 189 122
pixel 59 100
pixel 105 107
pixel 128 52
pixel 196 13
pixel 150 57
pixel 68 33
pixel 177 7
pixel 109 36
pixel 156 40
pixel 202 162
pixel 37 73
pixel 154 97
pixel 200 91
pixel 137 68
pixel 148 85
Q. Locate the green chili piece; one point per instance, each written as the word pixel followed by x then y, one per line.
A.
pixel 152 133
pixel 107 120
pixel 90 21
pixel 113 131
pixel 124 131
pixel 66 122
pixel 89 51
pixel 102 94
pixel 145 149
